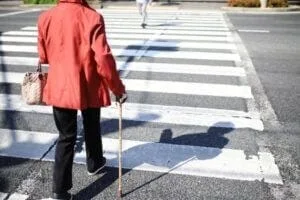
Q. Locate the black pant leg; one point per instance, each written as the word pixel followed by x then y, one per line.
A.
pixel 66 123
pixel 92 136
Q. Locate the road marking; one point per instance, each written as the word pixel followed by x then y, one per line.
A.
pixel 156 157
pixel 13 196
pixel 18 39
pixel 156 43
pixel 18 12
pixel 156 114
pixel 182 68
pixel 188 88
pixel 149 53
pixel 253 31
pixel 25 61
pixel 141 36
pixel 173 87
pixel 163 26
pixel 180 23
pixel 142 66
pixel 132 29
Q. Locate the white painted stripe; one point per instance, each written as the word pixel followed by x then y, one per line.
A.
pixel 21 33
pixel 137 53
pixel 18 48
pixel 156 157
pixel 193 18
pixel 174 23
pixel 155 30
pixel 17 196
pixel 177 54
pixel 174 37
pixel 204 27
pixel 174 32
pixel 18 143
pixel 156 114
pixel 170 26
pixel 175 44
pixel 145 67
pixel 182 68
pixel 163 27
pixel 188 88
pixel 179 44
pixel 14 60
pixel 18 12
pixel 141 36
pixel 3 195
pixel 18 39
pixel 184 88
pixel 254 31
pixel 157 13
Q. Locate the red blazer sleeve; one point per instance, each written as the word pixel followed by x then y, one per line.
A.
pixel 41 44
pixel 105 60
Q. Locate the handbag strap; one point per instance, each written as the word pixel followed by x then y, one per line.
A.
pixel 39 67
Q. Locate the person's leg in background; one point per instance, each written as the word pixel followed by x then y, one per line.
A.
pixel 66 123
pixel 142 6
pixel 93 140
pixel 139 6
pixel 144 14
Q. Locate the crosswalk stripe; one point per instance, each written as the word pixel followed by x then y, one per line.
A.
pixel 196 18
pixel 173 44
pixel 132 29
pixel 156 113
pixel 141 36
pixel 188 88
pixel 177 44
pixel 157 157
pixel 178 54
pixel 13 196
pixel 203 27
pixel 18 39
pixel 19 12
pixel 146 67
pixel 183 68
pixel 137 53
pixel 180 88
pixel 175 23
pixel 169 25
pixel 18 60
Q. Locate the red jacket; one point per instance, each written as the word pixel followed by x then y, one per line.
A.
pixel 82 69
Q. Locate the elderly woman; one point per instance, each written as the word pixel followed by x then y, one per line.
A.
pixel 82 70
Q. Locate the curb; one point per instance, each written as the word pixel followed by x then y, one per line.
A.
pixel 261 10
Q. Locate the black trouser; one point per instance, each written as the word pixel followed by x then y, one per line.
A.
pixel 66 123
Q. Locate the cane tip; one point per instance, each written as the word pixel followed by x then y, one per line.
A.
pixel 120 193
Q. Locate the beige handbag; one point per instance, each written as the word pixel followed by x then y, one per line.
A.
pixel 33 86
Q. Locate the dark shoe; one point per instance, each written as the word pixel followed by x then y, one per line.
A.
pixel 143 25
pixel 101 166
pixel 62 196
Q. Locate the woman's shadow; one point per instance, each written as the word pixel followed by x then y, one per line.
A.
pixel 213 138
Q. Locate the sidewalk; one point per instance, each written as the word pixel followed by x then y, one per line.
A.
pixel 18 4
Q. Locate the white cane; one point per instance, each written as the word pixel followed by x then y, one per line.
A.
pixel 120 151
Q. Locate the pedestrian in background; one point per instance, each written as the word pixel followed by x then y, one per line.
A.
pixel 142 8
pixel 82 70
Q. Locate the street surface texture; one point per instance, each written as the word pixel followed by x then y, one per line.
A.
pixel 198 123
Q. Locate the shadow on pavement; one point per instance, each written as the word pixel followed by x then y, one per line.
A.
pixel 214 137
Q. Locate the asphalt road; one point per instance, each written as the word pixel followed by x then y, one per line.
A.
pixel 274 50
